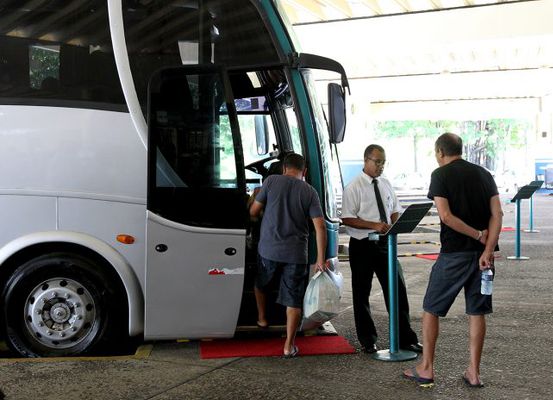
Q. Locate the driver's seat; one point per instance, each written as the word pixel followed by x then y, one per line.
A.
pixel 275 168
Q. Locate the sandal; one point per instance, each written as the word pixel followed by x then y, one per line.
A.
pixel 293 353
pixel 478 384
pixel 422 382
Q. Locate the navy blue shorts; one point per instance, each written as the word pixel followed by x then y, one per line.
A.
pixel 451 273
pixel 292 280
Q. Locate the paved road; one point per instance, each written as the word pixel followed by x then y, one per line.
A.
pixel 517 360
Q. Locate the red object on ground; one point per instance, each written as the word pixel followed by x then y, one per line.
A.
pixel 268 347
pixel 428 256
pixel 435 256
pixel 507 229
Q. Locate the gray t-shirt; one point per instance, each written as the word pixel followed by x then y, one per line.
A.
pixel 289 205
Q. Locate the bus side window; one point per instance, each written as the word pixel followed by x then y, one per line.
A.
pixel 194 150
pixel 14 64
pixel 54 60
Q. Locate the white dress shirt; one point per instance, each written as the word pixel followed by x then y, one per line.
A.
pixel 359 201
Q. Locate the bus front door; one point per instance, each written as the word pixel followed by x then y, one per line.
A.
pixel 196 206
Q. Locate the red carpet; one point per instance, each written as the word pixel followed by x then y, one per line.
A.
pixel 428 256
pixel 507 229
pixel 268 347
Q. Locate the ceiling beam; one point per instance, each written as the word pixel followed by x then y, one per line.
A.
pixel 404 4
pixel 291 12
pixel 10 19
pixel 373 5
pixel 342 6
pixel 312 7
pixel 44 27
pixel 72 30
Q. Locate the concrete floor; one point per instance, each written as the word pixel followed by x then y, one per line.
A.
pixel 517 362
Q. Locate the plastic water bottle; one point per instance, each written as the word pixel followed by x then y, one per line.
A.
pixel 486 285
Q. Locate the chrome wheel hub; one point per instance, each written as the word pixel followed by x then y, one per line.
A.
pixel 59 313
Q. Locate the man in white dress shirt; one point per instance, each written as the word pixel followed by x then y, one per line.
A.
pixel 369 207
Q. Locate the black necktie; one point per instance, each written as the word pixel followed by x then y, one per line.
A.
pixel 379 202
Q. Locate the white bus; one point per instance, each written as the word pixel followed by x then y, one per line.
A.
pixel 131 133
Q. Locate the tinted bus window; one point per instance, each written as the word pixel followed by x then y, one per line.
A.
pixel 193 139
pixel 168 33
pixel 196 169
pixel 58 53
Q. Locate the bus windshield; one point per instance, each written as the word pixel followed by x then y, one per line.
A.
pixel 229 33
pixel 329 163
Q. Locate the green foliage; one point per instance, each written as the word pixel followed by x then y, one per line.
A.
pixel 483 139
pixel 44 63
pixel 509 131
pixel 390 129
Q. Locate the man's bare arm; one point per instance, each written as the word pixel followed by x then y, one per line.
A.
pixel 320 235
pixel 455 223
pixel 256 208
pixel 494 228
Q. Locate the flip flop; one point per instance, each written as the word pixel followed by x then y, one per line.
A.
pixel 479 384
pixel 261 326
pixel 295 351
pixel 422 382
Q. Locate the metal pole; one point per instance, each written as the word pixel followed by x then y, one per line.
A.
pixel 531 226
pixel 394 353
pixel 392 292
pixel 517 240
pixel 517 255
pixel 531 222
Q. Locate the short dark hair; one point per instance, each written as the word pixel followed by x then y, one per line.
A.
pixel 370 148
pixel 450 144
pixel 295 161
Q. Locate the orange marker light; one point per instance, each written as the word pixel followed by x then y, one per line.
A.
pixel 125 239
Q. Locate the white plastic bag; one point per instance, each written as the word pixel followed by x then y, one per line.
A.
pixel 337 278
pixel 322 299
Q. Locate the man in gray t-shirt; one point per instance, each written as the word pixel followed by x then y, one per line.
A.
pixel 288 203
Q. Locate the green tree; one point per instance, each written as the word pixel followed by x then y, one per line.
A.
pixel 408 129
pixel 44 63
pixel 484 140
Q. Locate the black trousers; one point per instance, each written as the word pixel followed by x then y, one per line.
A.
pixel 367 258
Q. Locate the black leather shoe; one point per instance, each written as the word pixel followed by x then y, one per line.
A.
pixel 370 349
pixel 416 347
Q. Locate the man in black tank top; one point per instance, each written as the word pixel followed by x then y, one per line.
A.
pixel 468 204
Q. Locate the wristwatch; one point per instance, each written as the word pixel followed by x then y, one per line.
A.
pixel 479 235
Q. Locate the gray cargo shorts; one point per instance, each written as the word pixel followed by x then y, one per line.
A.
pixel 292 280
pixel 451 273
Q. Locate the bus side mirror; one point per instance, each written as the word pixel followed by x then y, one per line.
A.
pixel 336 112
pixel 261 135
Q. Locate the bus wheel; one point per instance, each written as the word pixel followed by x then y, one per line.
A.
pixel 57 305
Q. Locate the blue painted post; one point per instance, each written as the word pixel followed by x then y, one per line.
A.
pixel 517 255
pixel 531 226
pixel 392 291
pixel 517 240
pixel 531 222
pixel 394 353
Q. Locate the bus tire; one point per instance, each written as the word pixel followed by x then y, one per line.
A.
pixel 58 304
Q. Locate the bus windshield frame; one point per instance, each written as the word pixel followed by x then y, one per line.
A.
pixel 329 166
